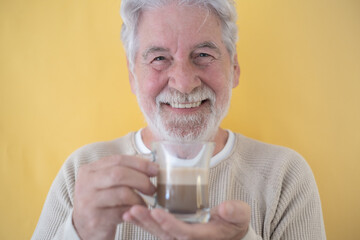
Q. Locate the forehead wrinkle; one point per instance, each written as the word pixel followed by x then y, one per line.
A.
pixel 204 21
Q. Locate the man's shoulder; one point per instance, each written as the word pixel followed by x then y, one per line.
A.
pixel 90 153
pixel 261 149
pixel 267 158
pixel 266 169
pixel 94 151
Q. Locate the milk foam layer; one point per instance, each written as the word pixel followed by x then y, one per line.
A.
pixel 183 176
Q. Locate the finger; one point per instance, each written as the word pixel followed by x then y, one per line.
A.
pixel 141 216
pixel 140 164
pixel 123 176
pixel 117 197
pixel 170 225
pixel 235 212
pixel 217 229
pixel 99 219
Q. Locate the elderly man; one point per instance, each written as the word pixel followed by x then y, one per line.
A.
pixel 182 67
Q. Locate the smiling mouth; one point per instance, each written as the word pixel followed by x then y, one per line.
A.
pixel 185 105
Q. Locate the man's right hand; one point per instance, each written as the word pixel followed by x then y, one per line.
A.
pixel 104 191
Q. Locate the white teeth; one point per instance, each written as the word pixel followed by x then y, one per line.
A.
pixel 185 105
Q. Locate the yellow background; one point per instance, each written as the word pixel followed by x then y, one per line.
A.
pixel 63 84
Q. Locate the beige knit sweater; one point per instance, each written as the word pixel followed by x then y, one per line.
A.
pixel 275 181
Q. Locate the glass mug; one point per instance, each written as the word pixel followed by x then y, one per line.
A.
pixel 182 181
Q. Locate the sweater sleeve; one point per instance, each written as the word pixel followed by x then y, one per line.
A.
pixel 54 219
pixel 297 213
pixel 69 229
pixel 251 235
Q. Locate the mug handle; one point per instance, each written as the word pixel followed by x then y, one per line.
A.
pixel 151 201
pixel 150 156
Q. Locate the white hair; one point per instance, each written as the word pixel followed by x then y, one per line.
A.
pixel 131 9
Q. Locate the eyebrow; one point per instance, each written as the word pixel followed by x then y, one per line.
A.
pixel 208 44
pixel 153 49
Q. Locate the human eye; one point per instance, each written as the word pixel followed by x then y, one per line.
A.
pixel 159 62
pixel 203 58
pixel 204 55
pixel 159 58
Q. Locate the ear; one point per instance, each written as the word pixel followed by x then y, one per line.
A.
pixel 131 78
pixel 236 71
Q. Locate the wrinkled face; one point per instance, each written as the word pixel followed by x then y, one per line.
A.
pixel 183 74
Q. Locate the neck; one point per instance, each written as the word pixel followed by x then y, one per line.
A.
pixel 220 139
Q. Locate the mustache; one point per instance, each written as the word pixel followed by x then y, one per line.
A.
pixel 199 94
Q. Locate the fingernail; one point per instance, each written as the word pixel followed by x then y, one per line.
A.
pixel 153 169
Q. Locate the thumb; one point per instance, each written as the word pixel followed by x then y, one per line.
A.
pixel 235 212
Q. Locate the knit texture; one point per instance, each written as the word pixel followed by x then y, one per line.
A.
pixel 275 181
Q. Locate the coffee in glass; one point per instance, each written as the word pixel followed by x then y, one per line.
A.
pixel 182 182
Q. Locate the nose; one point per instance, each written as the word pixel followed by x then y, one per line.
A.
pixel 183 77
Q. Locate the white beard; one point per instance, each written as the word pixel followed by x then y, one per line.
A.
pixel 200 126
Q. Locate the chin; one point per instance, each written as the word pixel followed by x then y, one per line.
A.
pixel 190 132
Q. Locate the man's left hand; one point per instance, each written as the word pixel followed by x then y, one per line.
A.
pixel 229 220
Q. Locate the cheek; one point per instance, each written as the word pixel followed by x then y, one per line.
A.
pixel 150 85
pixel 219 82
